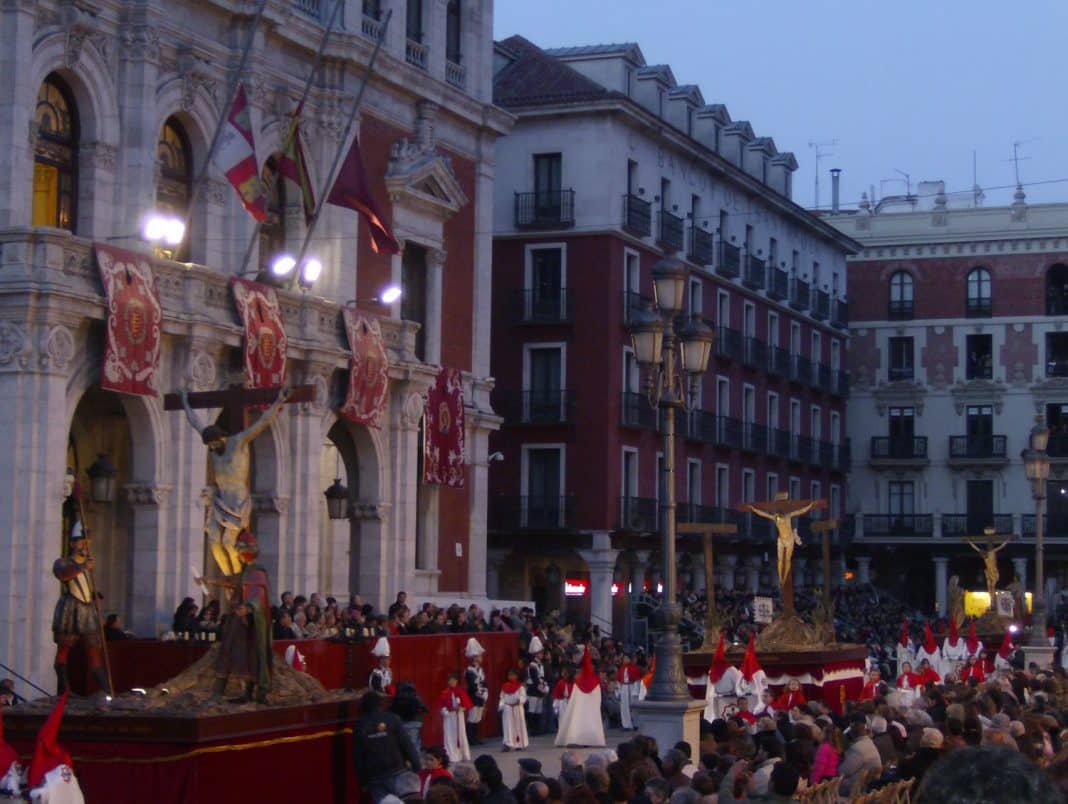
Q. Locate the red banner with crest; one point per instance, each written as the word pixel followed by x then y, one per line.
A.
pixel 443 431
pixel 365 399
pixel 135 317
pixel 265 333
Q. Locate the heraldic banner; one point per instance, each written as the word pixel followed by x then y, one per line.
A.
pixel 135 317
pixel 443 431
pixel 265 334
pixel 368 370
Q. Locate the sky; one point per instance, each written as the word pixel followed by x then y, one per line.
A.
pixel 914 86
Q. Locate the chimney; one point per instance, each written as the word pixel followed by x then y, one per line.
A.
pixel 836 174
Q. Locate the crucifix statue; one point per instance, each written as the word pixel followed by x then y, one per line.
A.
pixel 228 442
pixel 707 532
pixel 990 561
pixel 782 511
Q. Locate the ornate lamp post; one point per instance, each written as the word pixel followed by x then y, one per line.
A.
pixel 672 362
pixel 1036 464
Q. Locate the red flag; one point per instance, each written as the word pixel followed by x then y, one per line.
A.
pixel 293 166
pixel 443 431
pixel 236 157
pixel 352 191
pixel 48 754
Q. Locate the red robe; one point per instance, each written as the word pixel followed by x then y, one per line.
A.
pixel 562 690
pixel 453 698
pixel 908 681
pixel 929 676
pixel 747 716
pixel 870 690
pixel 788 700
pixel 972 671
pixel 628 674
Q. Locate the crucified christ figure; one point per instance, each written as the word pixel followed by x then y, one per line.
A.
pixel 231 502
pixel 782 512
pixel 990 567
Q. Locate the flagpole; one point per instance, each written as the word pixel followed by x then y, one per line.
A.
pixel 344 139
pixel 235 85
pixel 300 105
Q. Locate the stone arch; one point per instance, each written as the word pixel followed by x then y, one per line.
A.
pixel 198 120
pixel 90 81
pixel 366 454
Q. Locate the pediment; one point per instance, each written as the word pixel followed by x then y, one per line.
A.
pixel 420 177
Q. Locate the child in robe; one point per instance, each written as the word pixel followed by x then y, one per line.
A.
pixel 452 702
pixel 435 766
pixel 511 705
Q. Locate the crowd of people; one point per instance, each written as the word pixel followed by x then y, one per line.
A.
pixel 1003 740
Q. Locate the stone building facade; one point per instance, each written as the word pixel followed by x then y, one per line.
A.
pixel 956 345
pixel 106 112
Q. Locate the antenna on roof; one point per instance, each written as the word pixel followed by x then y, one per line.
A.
pixel 818 148
pixel 1016 158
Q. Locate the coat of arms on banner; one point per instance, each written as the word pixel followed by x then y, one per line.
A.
pixel 369 370
pixel 763 609
pixel 443 431
pixel 265 334
pixel 135 317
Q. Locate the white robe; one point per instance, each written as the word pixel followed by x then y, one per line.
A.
pixel 513 721
pixel 581 722
pixel 626 691
pixel 905 654
pixel 726 687
pixel 60 786
pixel 952 655
pixel 455 733
pixel 754 689
pixel 12 781
pixel 935 658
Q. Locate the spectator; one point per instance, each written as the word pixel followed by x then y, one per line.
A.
pixel 381 760
pixel 989 775
pixel 113 631
pixel 861 756
pixel 8 696
pixel 185 617
pixel 883 741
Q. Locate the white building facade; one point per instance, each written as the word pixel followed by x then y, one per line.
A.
pixel 106 112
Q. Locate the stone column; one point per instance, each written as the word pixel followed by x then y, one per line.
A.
pixel 601 562
pixel 270 512
pixel 752 574
pixel 480 422
pixel 35 361
pixel 729 563
pixel 18 92
pixel 838 570
pixel 864 569
pixel 151 603
pixel 641 565
pixel 435 266
pixel 1019 567
pixel 301 545
pixel 941 564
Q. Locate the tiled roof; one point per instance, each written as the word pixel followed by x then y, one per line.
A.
pixel 534 77
pixel 629 49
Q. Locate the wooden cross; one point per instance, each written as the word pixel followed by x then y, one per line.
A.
pixel 824 528
pixel 707 531
pixel 235 402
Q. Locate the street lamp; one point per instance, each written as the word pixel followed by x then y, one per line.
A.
pixel 1036 465
pixel 671 384
pixel 102 476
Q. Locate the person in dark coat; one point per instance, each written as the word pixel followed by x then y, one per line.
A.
pixel 381 749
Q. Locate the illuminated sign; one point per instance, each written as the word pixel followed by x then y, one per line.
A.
pixel 576 587
pixel 615 589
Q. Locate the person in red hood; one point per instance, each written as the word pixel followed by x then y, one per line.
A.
pixel 791 696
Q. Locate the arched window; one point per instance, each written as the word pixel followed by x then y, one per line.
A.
pixel 55 160
pixel 175 159
pixel 979 303
pixel 273 228
pixel 1057 290
pixel 900 296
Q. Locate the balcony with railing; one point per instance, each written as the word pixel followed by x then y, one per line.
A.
pixel 755 353
pixel 1057 446
pixel 532 513
pixel 310 8
pixel 415 53
pixel 632 303
pixel 635 411
pixel 540 306
pixel 754 273
pixel 978 450
pixel 899 310
pixel 1055 526
pixel 456 74
pixel 637 216
pixel 824 377
pixel 800 369
pixel 834 457
pixel 639 513
pixel 371 27
pixel 979 307
pixel 730 260
pixel 778 361
pixel 671 231
pixel 898 525
pixel 702 246
pixel 821 308
pixel 545 210
pixel 799 294
pixel 778 443
pixel 729 343
pixel 840 314
pixel 803 449
pixel 840 383
pixel 961 525
pixel 720 431
pixel 909 452
pixel 547 407
pixel 754 438
pixel 778 284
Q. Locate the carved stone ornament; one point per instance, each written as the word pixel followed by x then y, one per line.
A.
pixel 420 177
pixel 100 155
pixel 411 413
pixel 1052 389
pixel 899 394
pixel 269 504
pixel 977 392
pixel 15 348
pixel 57 348
pixel 322 393
pixel 200 371
pixel 147 494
